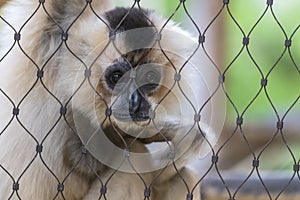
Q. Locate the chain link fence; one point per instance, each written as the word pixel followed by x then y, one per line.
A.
pixel 35 110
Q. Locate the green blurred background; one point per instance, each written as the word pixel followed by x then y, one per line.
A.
pixel 266 46
pixel 243 78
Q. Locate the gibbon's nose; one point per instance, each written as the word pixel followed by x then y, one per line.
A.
pixel 135 102
pixel 138 107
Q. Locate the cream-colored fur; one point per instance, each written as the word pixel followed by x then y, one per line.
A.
pixel 40 100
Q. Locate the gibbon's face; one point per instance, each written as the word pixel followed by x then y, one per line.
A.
pixel 137 83
pixel 134 81
pixel 136 95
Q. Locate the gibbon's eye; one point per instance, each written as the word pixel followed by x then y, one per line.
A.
pixel 115 77
pixel 150 79
pixel 116 80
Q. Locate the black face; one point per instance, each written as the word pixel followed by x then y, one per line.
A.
pixel 132 87
pixel 129 80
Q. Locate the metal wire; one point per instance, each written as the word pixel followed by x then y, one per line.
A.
pixel 222 71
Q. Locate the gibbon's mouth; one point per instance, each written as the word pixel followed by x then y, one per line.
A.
pixel 161 136
pixel 164 135
pixel 125 116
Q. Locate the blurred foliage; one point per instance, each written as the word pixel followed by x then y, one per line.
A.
pixel 243 78
pixel 270 59
pixel 266 46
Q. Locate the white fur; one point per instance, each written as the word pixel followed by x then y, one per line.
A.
pixel 39 111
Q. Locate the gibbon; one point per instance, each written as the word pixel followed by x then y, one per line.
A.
pixel 96 103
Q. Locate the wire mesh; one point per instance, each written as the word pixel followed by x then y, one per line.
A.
pixel 39 136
